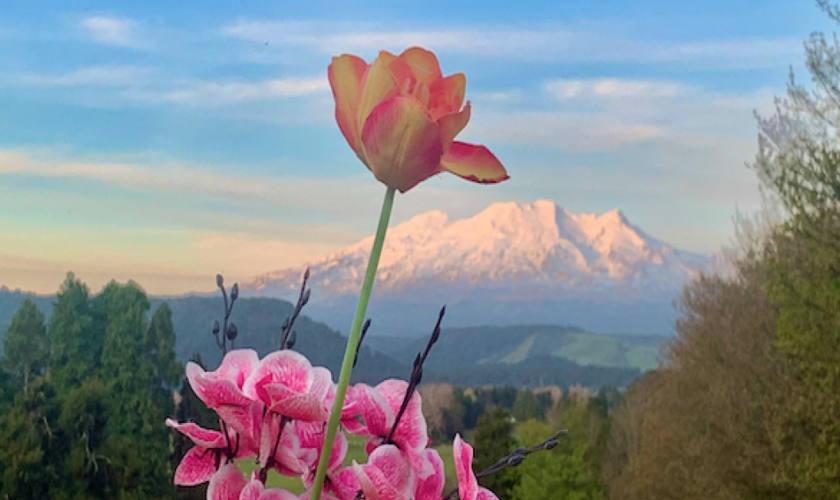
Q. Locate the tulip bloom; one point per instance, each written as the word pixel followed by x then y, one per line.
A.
pixel 401 115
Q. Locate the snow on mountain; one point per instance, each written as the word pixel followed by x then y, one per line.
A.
pixel 513 246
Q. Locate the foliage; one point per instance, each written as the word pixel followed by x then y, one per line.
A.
pixel 26 346
pixel 567 472
pixel 494 439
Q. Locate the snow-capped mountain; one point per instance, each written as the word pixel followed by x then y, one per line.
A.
pixel 510 253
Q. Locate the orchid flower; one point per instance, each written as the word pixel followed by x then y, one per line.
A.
pixel 287 384
pixel 203 459
pixel 468 488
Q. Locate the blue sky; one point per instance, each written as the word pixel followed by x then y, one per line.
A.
pixel 168 141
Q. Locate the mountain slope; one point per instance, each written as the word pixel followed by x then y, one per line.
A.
pixel 536 262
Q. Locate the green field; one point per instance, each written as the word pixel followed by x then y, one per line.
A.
pixel 355 451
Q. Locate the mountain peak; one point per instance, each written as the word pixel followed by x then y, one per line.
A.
pixel 508 243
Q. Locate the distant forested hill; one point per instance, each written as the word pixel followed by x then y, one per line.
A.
pixel 518 355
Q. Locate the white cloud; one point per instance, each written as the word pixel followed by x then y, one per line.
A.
pixel 612 88
pixel 540 44
pixel 120 32
pixel 211 93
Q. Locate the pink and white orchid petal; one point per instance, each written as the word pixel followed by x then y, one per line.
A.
pixel 311 435
pixel 304 407
pixel 245 420
pixel 205 438
pixel 485 494
pixel 197 467
pixel 474 163
pixel 412 431
pixel 226 484
pixel 378 85
pixel 452 124
pixel 216 392
pixel 467 483
pixel 255 490
pixel 431 487
pixel 285 367
pixel 320 383
pixel 402 143
pixel 375 410
pixel 388 466
pixel 345 484
pixel 237 366
pixel 345 74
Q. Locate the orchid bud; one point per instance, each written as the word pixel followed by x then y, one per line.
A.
pixel 220 281
pixel 234 292
pixel 232 332
pixel 216 327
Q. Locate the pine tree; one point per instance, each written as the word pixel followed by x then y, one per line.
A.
pixel 26 346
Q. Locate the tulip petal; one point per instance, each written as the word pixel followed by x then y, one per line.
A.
pixel 378 85
pixel 474 163
pixel 197 466
pixel 452 124
pixel 402 144
pixel 424 64
pixel 226 484
pixel 345 74
pixel 447 94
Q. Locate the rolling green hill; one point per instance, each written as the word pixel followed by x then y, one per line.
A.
pixel 513 345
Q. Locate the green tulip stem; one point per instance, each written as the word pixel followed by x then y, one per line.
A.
pixel 352 344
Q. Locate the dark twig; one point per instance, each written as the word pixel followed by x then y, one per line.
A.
pixel 286 329
pixel 229 331
pixel 416 374
pixel 515 458
pixel 365 329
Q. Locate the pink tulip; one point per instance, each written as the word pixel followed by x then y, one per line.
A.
pixel 468 488
pixel 401 115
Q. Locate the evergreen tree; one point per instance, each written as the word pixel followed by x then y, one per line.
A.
pixel 494 440
pixel 26 346
pixel 75 338
pixel 160 346
pixel 135 440
pixel 527 406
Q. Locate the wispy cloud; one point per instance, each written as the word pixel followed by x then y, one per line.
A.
pixel 94 76
pixel 204 93
pixel 540 44
pixel 116 31
pixel 612 88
